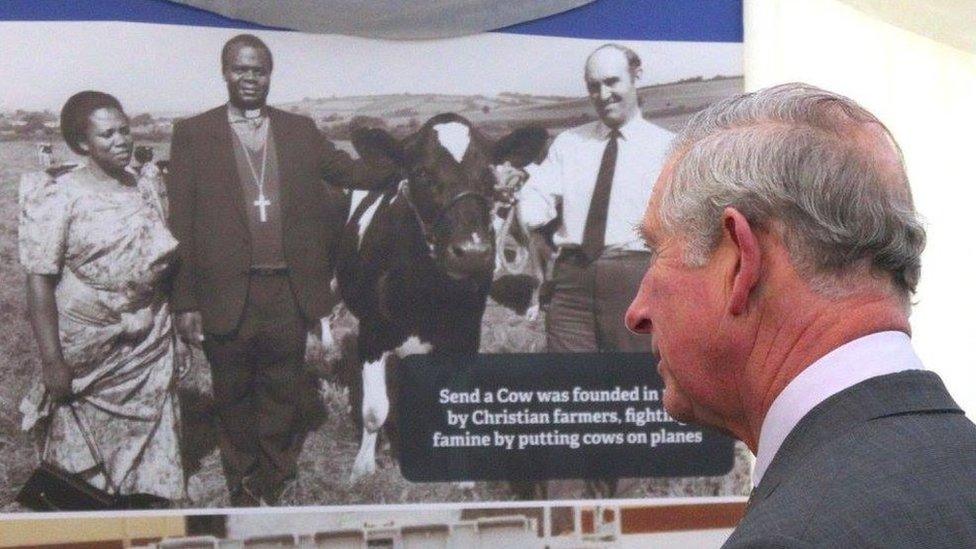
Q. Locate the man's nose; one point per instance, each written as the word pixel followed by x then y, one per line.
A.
pixel 637 318
pixel 605 92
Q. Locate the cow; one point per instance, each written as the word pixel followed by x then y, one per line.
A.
pixel 415 261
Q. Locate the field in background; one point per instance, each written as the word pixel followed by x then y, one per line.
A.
pixel 331 448
pixel 668 105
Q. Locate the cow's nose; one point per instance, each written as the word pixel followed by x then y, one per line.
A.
pixel 470 249
pixel 470 255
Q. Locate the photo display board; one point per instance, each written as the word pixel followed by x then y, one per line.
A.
pixel 478 351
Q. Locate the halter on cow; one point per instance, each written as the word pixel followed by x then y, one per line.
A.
pixel 427 227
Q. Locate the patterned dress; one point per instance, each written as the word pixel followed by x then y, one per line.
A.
pixel 111 250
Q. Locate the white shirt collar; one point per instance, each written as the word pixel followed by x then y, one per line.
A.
pixel 627 130
pixel 870 356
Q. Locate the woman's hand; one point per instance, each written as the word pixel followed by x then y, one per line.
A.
pixel 184 359
pixel 189 325
pixel 57 380
pixel 43 313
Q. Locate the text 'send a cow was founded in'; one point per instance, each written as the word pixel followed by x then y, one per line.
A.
pixel 415 261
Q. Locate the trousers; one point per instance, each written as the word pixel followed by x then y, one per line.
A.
pixel 589 300
pixel 586 315
pixel 261 391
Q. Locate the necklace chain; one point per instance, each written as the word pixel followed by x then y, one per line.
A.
pixel 250 164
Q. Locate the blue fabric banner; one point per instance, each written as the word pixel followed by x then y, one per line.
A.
pixel 673 20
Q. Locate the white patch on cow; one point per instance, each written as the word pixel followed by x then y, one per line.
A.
pixel 366 219
pixel 365 463
pixel 376 407
pixel 413 346
pixel 455 137
pixel 376 404
pixel 496 223
pixel 355 198
pixel 328 340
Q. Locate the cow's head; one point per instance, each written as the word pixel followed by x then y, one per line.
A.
pixel 448 182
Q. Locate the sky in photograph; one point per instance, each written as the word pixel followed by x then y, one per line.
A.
pixel 174 69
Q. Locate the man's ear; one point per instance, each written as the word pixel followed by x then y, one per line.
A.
pixel 521 147
pixel 375 145
pixel 745 277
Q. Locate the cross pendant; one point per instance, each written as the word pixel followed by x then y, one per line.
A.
pixel 262 203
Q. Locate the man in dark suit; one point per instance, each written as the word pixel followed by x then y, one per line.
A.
pixel 786 249
pixel 257 227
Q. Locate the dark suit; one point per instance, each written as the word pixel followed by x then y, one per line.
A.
pixel 209 219
pixel 255 323
pixel 889 462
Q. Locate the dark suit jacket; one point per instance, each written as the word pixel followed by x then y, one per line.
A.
pixel 209 219
pixel 889 462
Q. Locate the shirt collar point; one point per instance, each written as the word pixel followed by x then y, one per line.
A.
pixel 625 131
pixel 876 354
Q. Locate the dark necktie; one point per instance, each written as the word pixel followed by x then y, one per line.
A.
pixel 596 218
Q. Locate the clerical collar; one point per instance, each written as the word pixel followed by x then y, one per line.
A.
pixel 236 114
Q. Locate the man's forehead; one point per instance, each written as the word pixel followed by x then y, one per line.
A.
pixel 250 55
pixel 650 227
pixel 606 62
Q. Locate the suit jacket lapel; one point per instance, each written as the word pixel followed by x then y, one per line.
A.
pixel 223 147
pixel 285 144
pixel 912 391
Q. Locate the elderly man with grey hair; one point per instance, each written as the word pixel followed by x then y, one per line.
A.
pixel 786 249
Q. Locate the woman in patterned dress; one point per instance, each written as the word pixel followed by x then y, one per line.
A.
pixel 94 242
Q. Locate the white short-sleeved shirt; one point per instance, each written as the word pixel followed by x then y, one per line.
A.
pixel 568 177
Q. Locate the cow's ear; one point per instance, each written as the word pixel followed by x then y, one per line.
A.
pixel 521 147
pixel 377 145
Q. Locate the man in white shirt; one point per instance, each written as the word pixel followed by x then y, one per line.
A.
pixel 594 184
pixel 785 251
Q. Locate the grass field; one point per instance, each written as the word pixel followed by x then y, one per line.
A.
pixel 329 451
pixel 668 105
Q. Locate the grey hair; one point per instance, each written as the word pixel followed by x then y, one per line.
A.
pixel 810 163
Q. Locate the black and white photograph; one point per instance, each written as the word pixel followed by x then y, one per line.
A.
pixel 217 246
